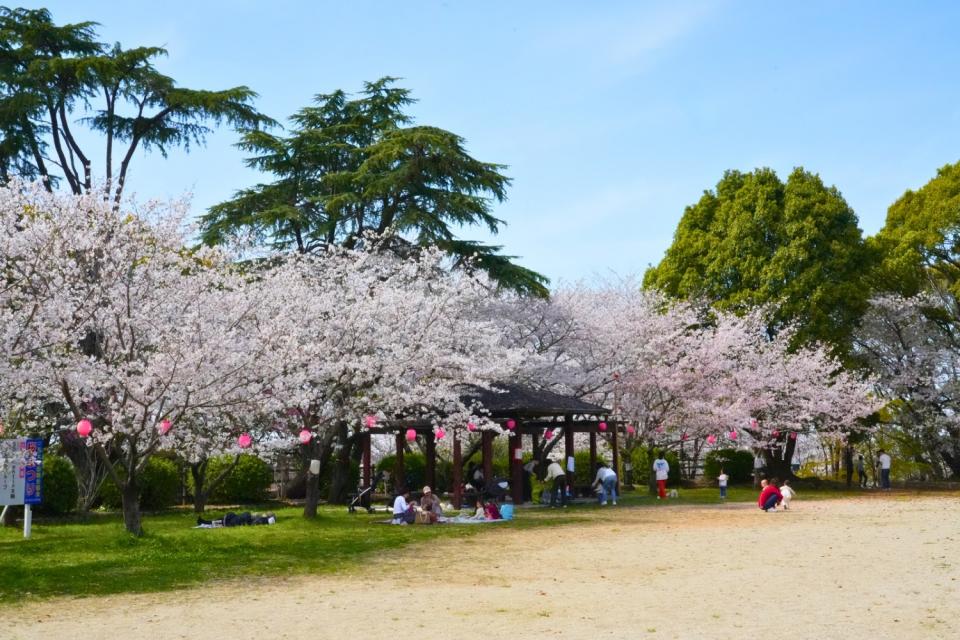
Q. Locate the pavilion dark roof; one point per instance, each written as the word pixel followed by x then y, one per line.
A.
pixel 507 399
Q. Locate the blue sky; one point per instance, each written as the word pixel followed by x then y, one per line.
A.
pixel 612 116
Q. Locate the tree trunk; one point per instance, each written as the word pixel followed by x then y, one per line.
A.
pixel 313 496
pixel 340 476
pixel 777 466
pixel 848 463
pixel 10 517
pixel 90 470
pixel 130 495
pixel 651 476
pixel 198 471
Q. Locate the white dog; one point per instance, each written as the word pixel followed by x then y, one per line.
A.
pixel 673 494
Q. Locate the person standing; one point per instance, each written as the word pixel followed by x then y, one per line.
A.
pixel 529 470
pixel 862 471
pixel 556 475
pixel 884 461
pixel 723 478
pixel 662 469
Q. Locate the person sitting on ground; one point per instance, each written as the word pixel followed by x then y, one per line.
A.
pixel 238 520
pixel 770 496
pixel 430 502
pixel 480 513
pixel 788 493
pixel 403 512
pixel 506 509
pixel 491 511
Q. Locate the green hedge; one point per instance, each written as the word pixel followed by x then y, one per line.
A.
pixel 415 470
pixel 248 482
pixel 60 490
pixel 738 464
pixel 643 466
pixel 159 486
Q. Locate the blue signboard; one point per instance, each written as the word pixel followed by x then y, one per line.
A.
pixel 33 471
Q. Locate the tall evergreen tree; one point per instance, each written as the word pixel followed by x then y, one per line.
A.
pixel 353 165
pixel 756 240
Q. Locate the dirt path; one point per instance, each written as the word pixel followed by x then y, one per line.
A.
pixel 870 568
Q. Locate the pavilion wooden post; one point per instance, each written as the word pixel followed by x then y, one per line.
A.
pixel 535 445
pixel 430 443
pixel 593 453
pixel 486 446
pixel 365 459
pixel 568 450
pixel 516 468
pixel 399 472
pixel 457 471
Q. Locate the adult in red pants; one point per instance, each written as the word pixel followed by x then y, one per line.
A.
pixel 662 469
pixel 770 496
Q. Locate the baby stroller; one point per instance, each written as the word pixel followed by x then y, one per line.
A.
pixel 498 488
pixel 362 499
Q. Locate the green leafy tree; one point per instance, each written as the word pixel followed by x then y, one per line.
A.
pixel 756 240
pixel 920 242
pixel 56 79
pixel 353 165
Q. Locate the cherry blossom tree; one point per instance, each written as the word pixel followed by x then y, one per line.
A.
pixel 109 314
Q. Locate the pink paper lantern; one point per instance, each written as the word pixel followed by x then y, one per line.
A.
pixel 471 426
pixel 244 441
pixel 753 423
pixel 793 435
pixel 602 426
pixel 84 427
pixel 684 436
pixel 411 435
pixel 631 429
pixel 511 424
pixel 775 433
pixel 711 439
pixel 548 434
pixel 164 427
pixel 441 434
pixel 305 436
pixel 370 421
pixel 733 435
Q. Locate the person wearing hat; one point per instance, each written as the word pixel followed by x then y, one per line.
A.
pixel 431 503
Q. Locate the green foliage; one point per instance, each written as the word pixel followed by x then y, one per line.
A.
pixel 758 241
pixel 738 464
pixel 159 485
pixel 415 467
pixel 920 241
pixel 60 490
pixel 643 466
pixel 248 482
pixel 351 166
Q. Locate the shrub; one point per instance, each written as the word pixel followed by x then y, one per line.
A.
pixel 643 466
pixel 60 490
pixel 159 486
pixel 738 463
pixel 414 468
pixel 248 482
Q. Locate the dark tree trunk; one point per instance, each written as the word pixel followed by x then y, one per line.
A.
pixel 651 476
pixel 848 463
pixel 779 460
pixel 952 461
pixel 130 495
pixel 340 476
pixel 312 451
pixel 90 470
pixel 198 471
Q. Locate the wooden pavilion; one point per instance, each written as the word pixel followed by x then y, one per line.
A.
pixel 531 410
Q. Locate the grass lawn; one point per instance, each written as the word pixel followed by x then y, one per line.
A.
pixel 97 557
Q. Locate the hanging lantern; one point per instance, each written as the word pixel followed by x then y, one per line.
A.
pixel 775 433
pixel 602 426
pixel 753 423
pixel 164 427
pixel 471 426
pixel 440 433
pixel 411 435
pixel 684 436
pixel 548 434
pixel 733 435
pixel 370 421
pixel 631 429
pixel 511 424
pixel 305 436
pixel 244 441
pixel 793 435
pixel 711 439
pixel 84 427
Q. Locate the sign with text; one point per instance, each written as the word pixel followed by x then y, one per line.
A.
pixel 21 471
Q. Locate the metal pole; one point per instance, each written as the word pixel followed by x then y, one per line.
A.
pixel 27 520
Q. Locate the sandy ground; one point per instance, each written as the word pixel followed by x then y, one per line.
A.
pixel 867 568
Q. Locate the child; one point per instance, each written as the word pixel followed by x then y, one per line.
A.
pixel 787 492
pixel 506 510
pixel 722 479
pixel 491 512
